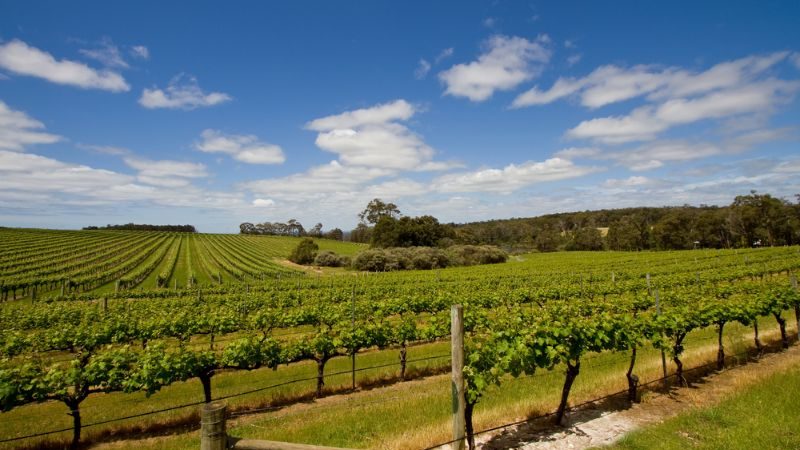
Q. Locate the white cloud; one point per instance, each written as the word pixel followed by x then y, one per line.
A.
pixel 574 59
pixel 644 123
pixel 371 137
pixel 106 53
pixel 244 148
pixel 578 152
pixel 105 149
pixel 611 84
pixel 20 58
pixel 633 181
pixel 490 22
pixel 263 202
pixel 165 172
pixel 183 92
pixel 18 130
pixel 378 114
pixel 55 183
pixel 511 177
pixel 653 155
pixel 423 67
pixel 505 63
pixel 444 54
pixel 569 44
pixel 318 181
pixel 140 52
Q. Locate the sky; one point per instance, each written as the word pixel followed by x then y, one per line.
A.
pixel 218 113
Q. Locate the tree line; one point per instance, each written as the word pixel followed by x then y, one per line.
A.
pixel 293 227
pixel 146 227
pixel 752 220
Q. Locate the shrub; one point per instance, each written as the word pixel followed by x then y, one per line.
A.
pixel 471 255
pixel 305 252
pixel 426 258
pixel 327 258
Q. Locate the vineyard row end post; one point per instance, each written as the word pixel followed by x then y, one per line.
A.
pixel 457 381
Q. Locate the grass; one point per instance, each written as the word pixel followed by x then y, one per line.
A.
pixel 762 416
pixel 52 415
pixel 416 414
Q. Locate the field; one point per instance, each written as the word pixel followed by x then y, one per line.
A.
pixel 130 332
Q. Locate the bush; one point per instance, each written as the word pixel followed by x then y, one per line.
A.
pixel 426 258
pixel 471 255
pixel 370 260
pixel 327 258
pixel 305 252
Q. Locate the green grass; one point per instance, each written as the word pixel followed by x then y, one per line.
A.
pixel 417 414
pixel 762 416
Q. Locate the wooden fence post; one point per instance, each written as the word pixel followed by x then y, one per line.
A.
pixel 457 382
pixel 663 356
pixel 212 427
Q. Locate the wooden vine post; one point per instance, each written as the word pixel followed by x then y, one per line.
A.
pixel 457 381
pixel 353 327
pixel 212 427
pixel 663 356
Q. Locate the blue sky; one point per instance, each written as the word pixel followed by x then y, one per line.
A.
pixel 216 113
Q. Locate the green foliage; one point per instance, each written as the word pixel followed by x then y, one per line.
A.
pixel 305 252
pixel 327 258
pixel 423 231
pixel 426 258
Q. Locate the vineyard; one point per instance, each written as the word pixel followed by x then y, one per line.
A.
pixel 130 331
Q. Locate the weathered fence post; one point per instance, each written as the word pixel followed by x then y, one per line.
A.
pixel 105 305
pixel 212 427
pixel 353 326
pixel 457 382
pixel 663 356
pixel 796 307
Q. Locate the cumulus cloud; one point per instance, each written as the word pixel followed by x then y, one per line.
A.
pixel 244 148
pixel 20 58
pixel 165 172
pixel 611 84
pixel 50 182
pixel 656 154
pixel 105 149
pixel 632 181
pixel 106 53
pixel 18 130
pixel 646 122
pixel 505 63
pixel 318 181
pixel 574 59
pixel 183 92
pixel 263 202
pixel 512 177
pixel 578 152
pixel 372 137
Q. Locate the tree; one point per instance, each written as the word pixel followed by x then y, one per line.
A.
pixel 547 240
pixel 586 238
pixel 376 209
pixel 423 231
pixel 305 252
pixel 362 233
pixel 336 234
pixel 316 231
pixel 295 228
pixel 247 228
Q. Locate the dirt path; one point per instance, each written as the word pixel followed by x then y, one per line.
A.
pixel 604 423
